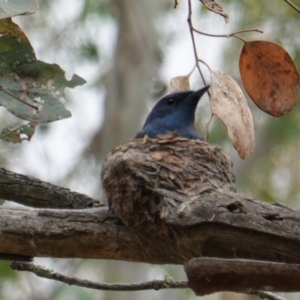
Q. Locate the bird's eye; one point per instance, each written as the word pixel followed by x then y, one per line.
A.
pixel 171 101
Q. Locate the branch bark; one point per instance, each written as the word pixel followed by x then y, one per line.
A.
pixel 88 233
pixel 219 224
pixel 36 193
pixel 223 225
pixel 210 275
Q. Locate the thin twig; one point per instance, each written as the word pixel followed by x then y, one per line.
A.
pixel 175 4
pixel 239 38
pixel 198 60
pixel 233 34
pixel 203 62
pixel 29 104
pixel 49 274
pixel 189 20
pixel 296 8
pixel 191 72
pixel 264 295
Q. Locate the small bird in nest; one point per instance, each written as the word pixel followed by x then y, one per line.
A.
pixel 175 112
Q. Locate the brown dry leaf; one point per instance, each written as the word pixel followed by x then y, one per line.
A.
pixel 180 83
pixel 230 105
pixel 216 8
pixel 269 76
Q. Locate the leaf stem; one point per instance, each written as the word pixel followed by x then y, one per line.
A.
pixel 233 34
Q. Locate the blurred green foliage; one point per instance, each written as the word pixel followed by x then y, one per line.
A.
pixel 6 272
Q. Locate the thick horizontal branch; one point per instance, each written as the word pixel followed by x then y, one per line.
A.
pixel 211 275
pixel 88 233
pixel 36 193
pixel 224 229
pixel 215 224
pixel 228 225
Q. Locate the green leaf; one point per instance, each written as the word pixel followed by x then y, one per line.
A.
pixel 19 134
pixel 30 89
pixel 16 7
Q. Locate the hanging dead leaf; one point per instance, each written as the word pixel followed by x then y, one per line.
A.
pixel 180 83
pixel 269 76
pixel 216 8
pixel 230 105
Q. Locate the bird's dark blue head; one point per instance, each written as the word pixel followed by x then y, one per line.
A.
pixel 175 112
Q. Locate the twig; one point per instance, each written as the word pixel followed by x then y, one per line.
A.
pixel 296 8
pixel 264 295
pixel 191 72
pixel 29 104
pixel 175 4
pixel 189 20
pixel 49 274
pixel 193 29
pixel 233 34
pixel 239 38
pixel 203 62
pixel 198 60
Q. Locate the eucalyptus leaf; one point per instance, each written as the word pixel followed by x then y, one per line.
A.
pixel 30 89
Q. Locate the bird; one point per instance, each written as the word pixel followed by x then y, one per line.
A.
pixel 174 112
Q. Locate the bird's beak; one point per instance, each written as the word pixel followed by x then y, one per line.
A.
pixel 198 94
pixel 194 98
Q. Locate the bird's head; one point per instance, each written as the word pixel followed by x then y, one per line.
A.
pixel 175 112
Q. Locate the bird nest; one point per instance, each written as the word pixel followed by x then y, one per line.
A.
pixel 143 177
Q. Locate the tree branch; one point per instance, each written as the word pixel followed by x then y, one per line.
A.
pixel 264 295
pixel 229 34
pixel 210 275
pixel 149 285
pixel 191 27
pixel 223 225
pixel 193 30
pixel 295 7
pixel 36 193
pixel 50 274
pixel 216 224
pixel 88 233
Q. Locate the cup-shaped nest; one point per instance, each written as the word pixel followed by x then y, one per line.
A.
pixel 143 177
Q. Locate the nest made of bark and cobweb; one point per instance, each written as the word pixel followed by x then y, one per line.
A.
pixel 143 178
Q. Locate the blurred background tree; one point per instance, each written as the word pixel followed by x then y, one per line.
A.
pixel 128 51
